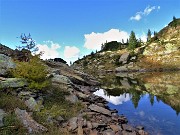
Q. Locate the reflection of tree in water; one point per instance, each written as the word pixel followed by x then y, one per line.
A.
pixel 136 96
pixel 162 86
pixel 172 101
pixel 151 98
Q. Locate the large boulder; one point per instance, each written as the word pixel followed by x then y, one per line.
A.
pixel 6 63
pixel 13 83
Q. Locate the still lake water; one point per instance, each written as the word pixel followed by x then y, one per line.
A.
pixel 151 100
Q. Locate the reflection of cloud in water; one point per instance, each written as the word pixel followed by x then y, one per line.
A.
pixel 116 100
pixel 140 113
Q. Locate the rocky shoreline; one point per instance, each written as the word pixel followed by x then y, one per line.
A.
pixel 98 119
pixel 94 119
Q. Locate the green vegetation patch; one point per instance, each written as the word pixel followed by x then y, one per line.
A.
pixel 34 71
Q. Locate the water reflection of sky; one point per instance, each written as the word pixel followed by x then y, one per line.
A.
pixel 116 100
pixel 157 118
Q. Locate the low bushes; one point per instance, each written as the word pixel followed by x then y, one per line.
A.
pixel 34 71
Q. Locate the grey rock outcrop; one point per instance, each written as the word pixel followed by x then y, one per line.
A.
pixel 33 104
pixel 6 63
pixel 28 122
pixel 13 83
pixel 124 58
pixel 60 79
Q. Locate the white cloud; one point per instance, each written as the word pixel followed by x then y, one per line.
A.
pixel 137 17
pixel 143 37
pixel 71 52
pixel 146 12
pixel 49 49
pixel 116 100
pixel 94 40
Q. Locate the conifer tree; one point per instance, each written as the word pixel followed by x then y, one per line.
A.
pixel 133 43
pixel 149 35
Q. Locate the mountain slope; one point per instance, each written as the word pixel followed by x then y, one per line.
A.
pixel 162 52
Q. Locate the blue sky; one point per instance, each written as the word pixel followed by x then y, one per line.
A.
pixel 72 28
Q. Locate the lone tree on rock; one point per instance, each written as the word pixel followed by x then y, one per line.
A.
pixel 133 43
pixel 23 53
pixel 28 43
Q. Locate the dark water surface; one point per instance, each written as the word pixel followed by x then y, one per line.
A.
pixel 151 100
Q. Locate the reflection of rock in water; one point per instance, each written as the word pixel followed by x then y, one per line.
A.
pixel 166 86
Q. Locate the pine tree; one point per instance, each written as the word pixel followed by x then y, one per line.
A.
pixel 149 35
pixel 132 41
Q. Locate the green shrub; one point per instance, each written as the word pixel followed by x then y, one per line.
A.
pixel 34 71
pixel 12 126
pixel 9 102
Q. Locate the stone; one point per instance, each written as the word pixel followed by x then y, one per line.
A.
pixel 99 109
pixel 125 83
pixel 13 83
pixel 59 119
pixel 108 132
pixel 140 127
pixel 5 50
pixel 130 65
pixel 93 132
pixel 6 63
pixel 28 122
pixel 81 95
pixel 133 58
pixel 80 125
pixel 124 58
pixel 72 98
pixel 128 133
pixel 33 104
pixel 2 114
pixel 116 128
pixel 60 79
pixel 127 127
pixel 26 95
pixel 142 132
pixel 89 125
pixel 2 79
pixel 72 123
pixel 122 69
